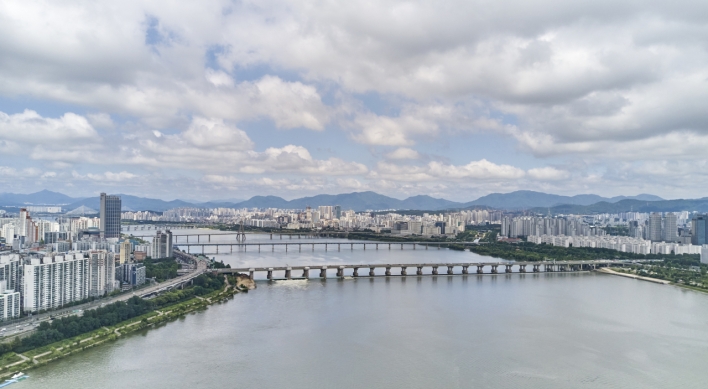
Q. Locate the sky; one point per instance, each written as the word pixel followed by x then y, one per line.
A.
pixel 454 99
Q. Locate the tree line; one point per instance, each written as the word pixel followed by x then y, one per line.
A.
pixel 111 314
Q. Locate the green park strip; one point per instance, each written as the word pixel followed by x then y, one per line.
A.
pixel 23 358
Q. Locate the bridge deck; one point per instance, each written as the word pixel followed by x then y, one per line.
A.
pixel 412 265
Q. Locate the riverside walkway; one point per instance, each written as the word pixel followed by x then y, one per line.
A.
pixel 303 272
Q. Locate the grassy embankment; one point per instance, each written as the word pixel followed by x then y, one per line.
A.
pixel 24 357
pixel 690 274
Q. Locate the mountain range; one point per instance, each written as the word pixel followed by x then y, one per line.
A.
pixel 360 201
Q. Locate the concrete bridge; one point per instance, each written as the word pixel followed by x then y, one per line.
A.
pixel 279 236
pixel 320 271
pixel 154 227
pixel 228 247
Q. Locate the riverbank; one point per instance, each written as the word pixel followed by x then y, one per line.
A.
pixel 11 363
pixel 634 276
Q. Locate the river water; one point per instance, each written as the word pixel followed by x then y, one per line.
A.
pixel 581 330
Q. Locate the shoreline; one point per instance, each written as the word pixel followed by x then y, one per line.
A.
pixel 634 276
pixel 64 348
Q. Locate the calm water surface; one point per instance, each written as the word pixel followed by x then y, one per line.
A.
pixel 579 330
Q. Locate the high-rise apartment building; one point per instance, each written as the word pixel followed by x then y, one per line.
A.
pixel 654 227
pixel 670 227
pixel 9 303
pixel 51 282
pixel 10 271
pixel 110 216
pixel 162 244
pixel 102 272
pixel 337 212
pixel 699 230
pixel 126 249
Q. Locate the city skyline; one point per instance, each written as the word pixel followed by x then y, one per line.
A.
pixel 403 99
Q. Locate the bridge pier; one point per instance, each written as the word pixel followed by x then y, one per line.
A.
pixel 508 268
pixel 251 272
pixel 403 270
pixel 351 246
pixel 522 268
pixel 364 246
pixel 464 270
pixel 339 248
pixel 323 272
pixel 536 268
pixel 435 270
pixel 389 246
pixel 449 269
pixel 288 273
pixel 306 273
pixel 494 269
pixel 340 272
pixel 388 270
pixel 313 247
pixel 401 246
pixel 480 269
pixel 413 246
pixel 270 273
pixel 372 272
pixel 356 272
pixel 419 271
pixel 377 246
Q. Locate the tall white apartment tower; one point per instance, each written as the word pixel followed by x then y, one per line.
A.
pixel 162 245
pixel 102 272
pixel 51 282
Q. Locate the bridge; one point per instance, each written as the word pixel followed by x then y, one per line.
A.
pixel 326 245
pixel 307 235
pixel 462 269
pixel 155 227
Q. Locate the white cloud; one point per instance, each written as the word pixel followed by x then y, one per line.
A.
pixel 214 134
pixel 477 170
pixel 548 173
pixel 100 120
pixel 30 127
pixel 403 153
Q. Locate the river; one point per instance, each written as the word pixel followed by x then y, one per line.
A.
pixel 581 330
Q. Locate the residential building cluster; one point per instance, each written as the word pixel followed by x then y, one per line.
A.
pixel 671 227
pixel 46 264
pixel 328 217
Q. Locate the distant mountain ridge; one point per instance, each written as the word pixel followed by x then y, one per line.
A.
pixel 43 197
pixel 523 199
pixel 358 201
pixel 628 205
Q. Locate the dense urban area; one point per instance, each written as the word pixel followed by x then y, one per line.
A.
pixel 97 260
